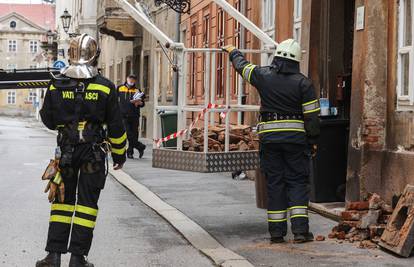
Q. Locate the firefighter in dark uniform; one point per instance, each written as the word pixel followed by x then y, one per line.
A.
pixel 288 132
pixel 78 103
pixel 131 111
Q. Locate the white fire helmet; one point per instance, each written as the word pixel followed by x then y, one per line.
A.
pixel 289 49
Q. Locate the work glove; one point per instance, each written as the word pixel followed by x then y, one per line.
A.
pixel 56 189
pixel 228 48
pixel 314 150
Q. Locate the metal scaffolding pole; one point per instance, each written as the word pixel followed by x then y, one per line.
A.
pixel 246 23
pixel 142 19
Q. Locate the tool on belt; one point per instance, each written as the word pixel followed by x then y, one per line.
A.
pixel 55 186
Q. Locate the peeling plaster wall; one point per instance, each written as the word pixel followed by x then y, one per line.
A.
pixel 369 109
pixel 381 157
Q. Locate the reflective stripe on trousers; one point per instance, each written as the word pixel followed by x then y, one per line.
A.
pixel 277 216
pixel 298 212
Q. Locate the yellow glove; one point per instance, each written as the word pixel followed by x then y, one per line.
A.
pixel 228 48
pixel 314 150
pixel 56 187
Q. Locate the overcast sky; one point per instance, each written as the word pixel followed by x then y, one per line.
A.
pixel 21 1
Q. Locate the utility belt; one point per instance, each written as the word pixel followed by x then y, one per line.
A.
pixel 72 135
pixel 273 116
pixel 82 133
pixel 274 122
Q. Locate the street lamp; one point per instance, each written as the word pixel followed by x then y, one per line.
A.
pixel 66 18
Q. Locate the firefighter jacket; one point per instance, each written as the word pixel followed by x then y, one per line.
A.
pixel 91 102
pixel 126 94
pixel 289 106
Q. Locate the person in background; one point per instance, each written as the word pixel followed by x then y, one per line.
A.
pixel 131 100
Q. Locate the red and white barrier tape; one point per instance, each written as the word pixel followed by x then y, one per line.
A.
pixel 184 131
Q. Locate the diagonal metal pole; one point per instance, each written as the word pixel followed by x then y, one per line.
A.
pixel 246 23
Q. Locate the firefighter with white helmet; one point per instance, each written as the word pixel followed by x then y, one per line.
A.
pixel 78 103
pixel 288 130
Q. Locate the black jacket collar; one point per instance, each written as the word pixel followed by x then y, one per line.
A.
pixel 283 65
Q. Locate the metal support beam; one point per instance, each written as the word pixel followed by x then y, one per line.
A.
pixel 246 23
pixel 143 20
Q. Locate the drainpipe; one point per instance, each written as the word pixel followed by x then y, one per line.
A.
pixel 176 74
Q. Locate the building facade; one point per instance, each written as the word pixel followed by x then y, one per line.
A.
pixel 22 30
pixel 127 48
pixel 358 53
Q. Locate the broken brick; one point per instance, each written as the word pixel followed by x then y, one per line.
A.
pixel 367 244
pixel 362 235
pixel 399 233
pixel 344 226
pixel 383 219
pixel 358 205
pixel 320 238
pixel 387 209
pixel 350 224
pixel 352 215
pixel 376 230
pixel 368 219
pixel 341 235
pixel 332 235
pixel 375 202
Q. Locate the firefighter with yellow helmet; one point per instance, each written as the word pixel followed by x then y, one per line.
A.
pixel 78 103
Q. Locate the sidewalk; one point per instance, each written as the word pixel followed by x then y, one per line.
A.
pixel 226 209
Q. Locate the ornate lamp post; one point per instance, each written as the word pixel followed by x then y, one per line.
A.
pixel 66 19
pixel 180 6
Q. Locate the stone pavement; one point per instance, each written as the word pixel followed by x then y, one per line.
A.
pixel 226 209
pixel 128 233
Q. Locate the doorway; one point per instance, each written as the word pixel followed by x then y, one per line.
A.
pixel 330 68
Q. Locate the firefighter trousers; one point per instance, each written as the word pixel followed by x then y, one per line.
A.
pixel 131 126
pixel 76 217
pixel 286 167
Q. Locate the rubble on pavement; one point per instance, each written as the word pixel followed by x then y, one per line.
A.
pixel 363 222
pixel 242 138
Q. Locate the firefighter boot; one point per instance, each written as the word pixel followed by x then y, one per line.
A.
pixel 141 151
pixel 302 238
pixel 79 261
pixel 51 260
pixel 277 240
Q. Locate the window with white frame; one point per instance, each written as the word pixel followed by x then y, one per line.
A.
pixel 297 20
pixel 11 97
pixel 405 87
pixel 33 46
pixel 12 46
pixel 32 96
pixel 268 19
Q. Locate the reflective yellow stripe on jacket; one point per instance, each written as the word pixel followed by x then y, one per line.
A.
pixel 281 126
pixel 99 87
pixel 311 107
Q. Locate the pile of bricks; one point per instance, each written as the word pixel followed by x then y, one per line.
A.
pixel 363 222
pixel 241 138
